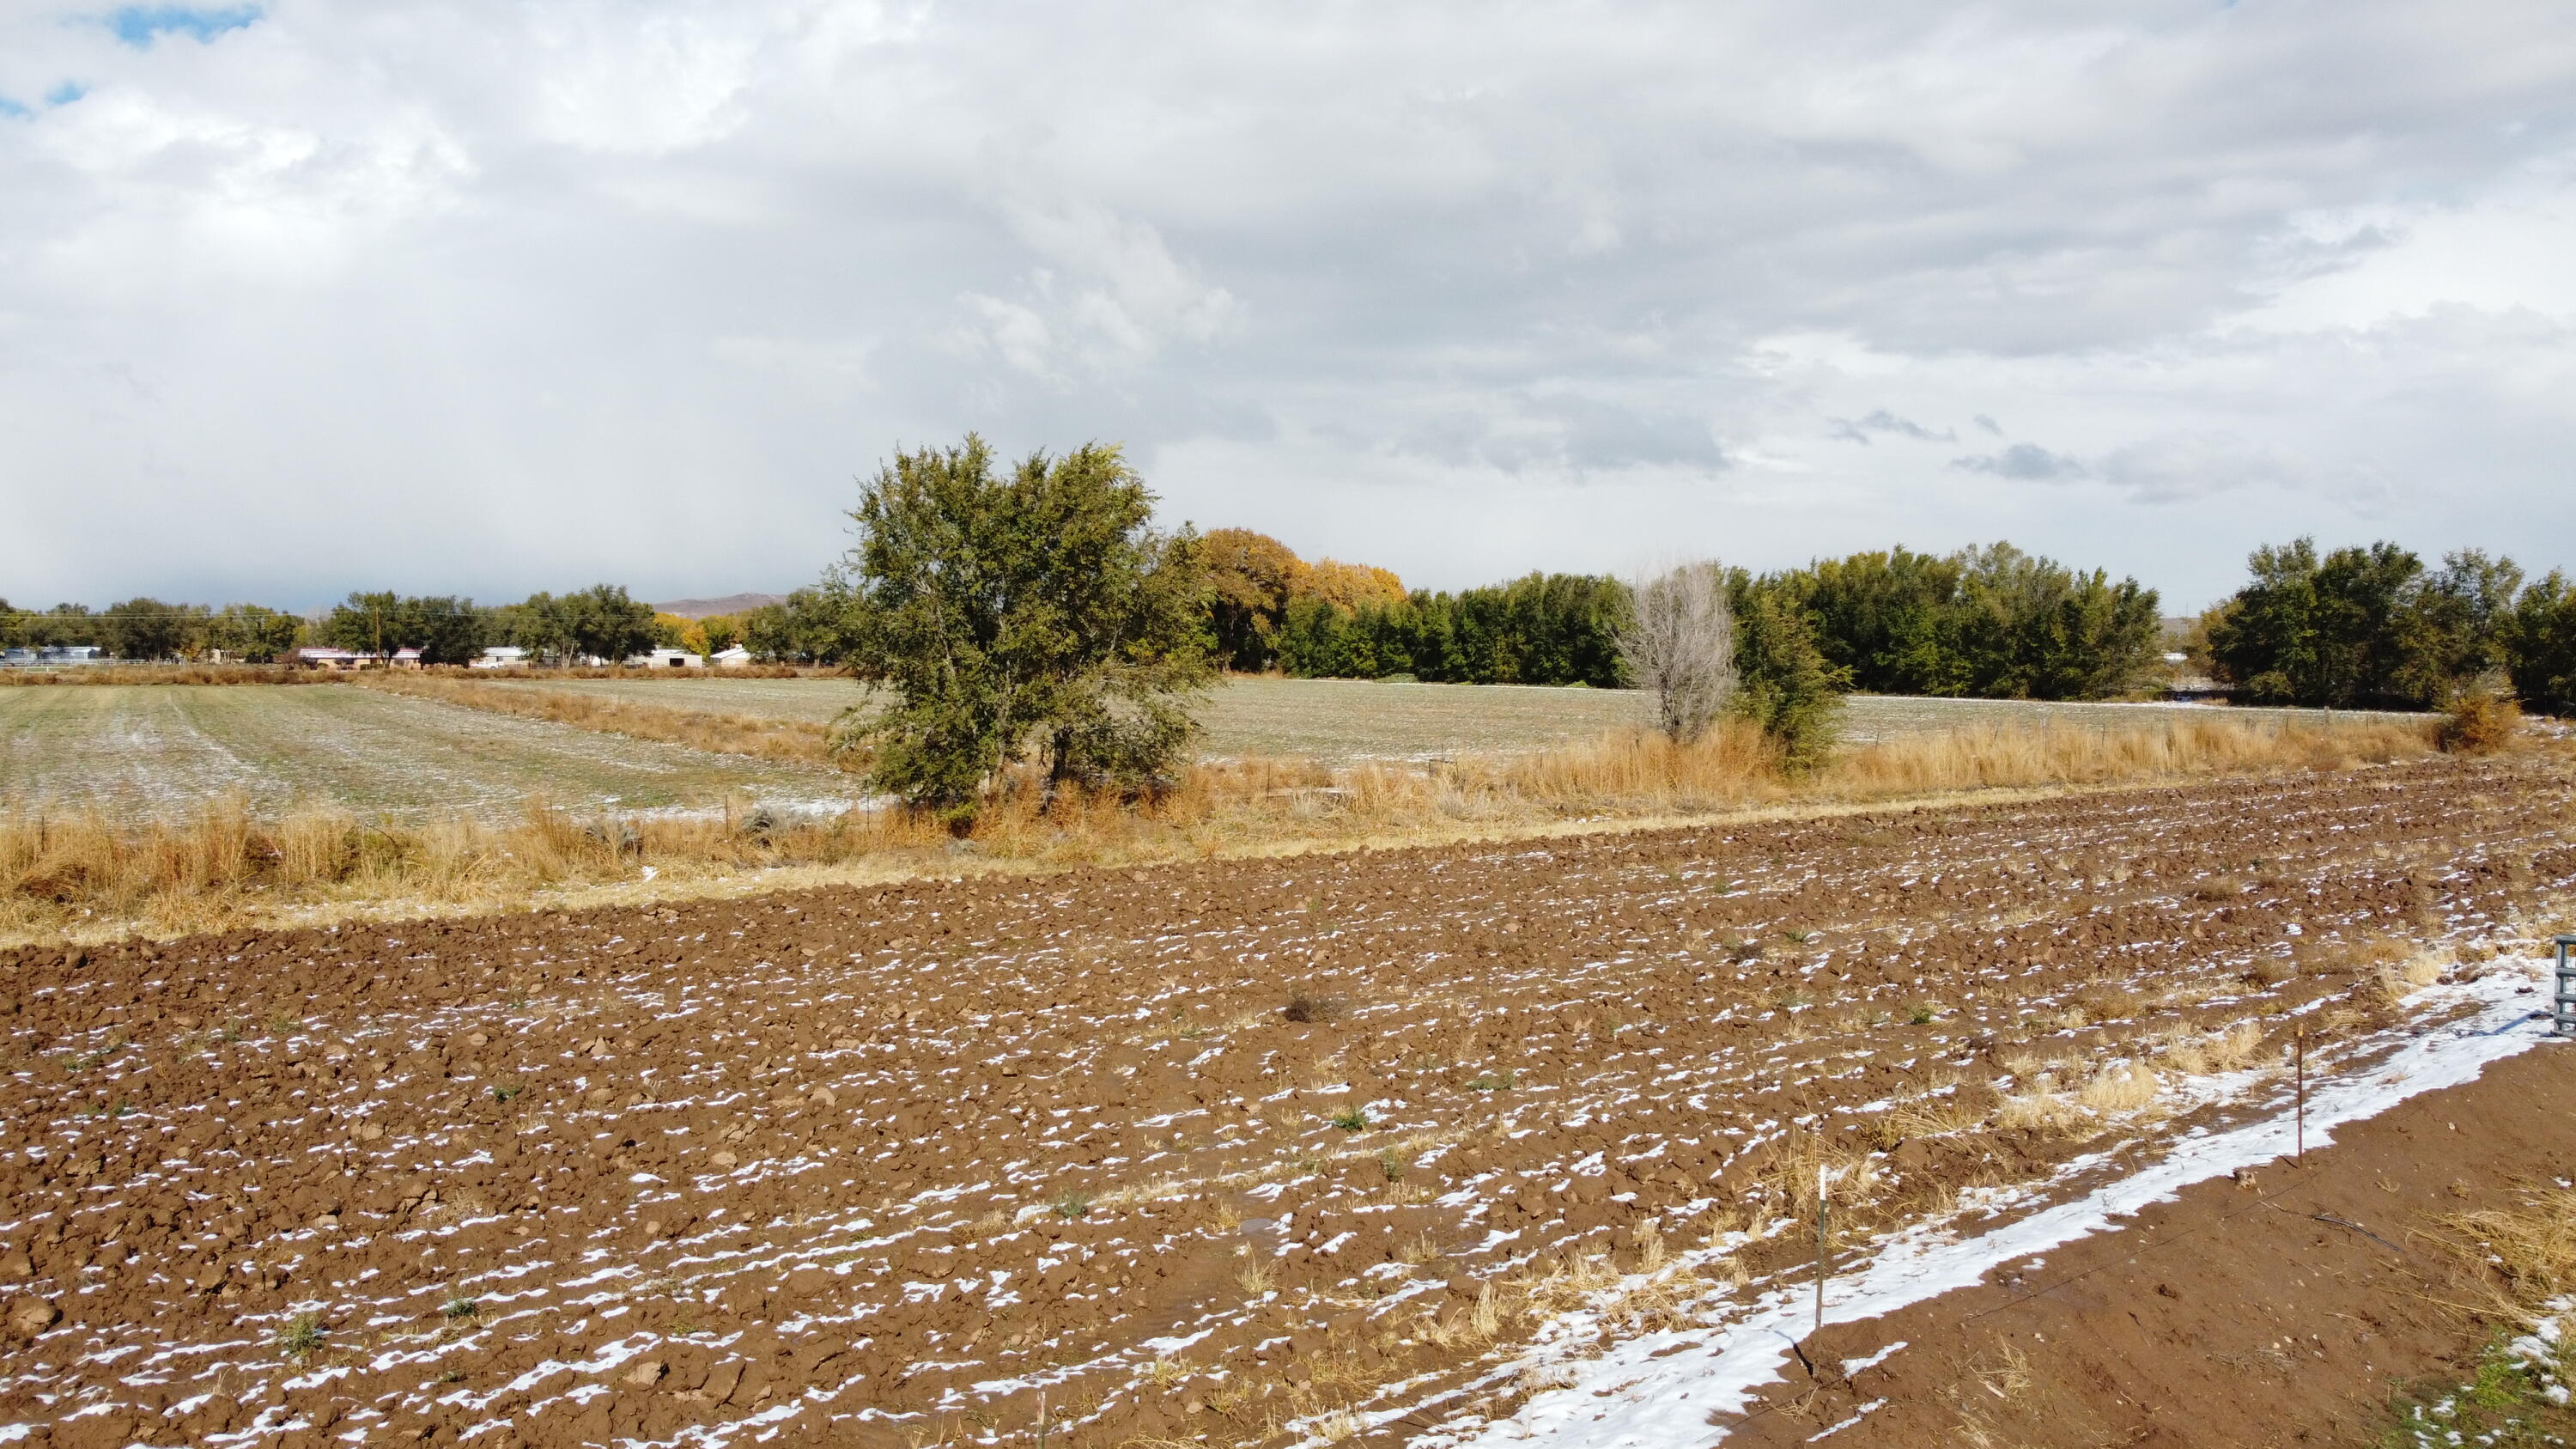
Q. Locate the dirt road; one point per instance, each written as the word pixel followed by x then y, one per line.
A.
pixel 885 1166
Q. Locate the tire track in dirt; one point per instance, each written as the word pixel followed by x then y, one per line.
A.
pixel 882 1165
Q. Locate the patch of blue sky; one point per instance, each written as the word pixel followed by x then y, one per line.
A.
pixel 138 25
pixel 66 93
pixel 11 109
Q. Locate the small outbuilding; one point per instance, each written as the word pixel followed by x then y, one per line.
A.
pixel 667 659
pixel 314 656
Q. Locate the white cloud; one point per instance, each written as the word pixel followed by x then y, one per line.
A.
pixel 1534 291
pixel 2180 466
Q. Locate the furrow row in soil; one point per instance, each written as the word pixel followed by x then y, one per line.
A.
pixel 1229 1149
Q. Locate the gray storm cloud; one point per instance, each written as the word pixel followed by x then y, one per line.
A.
pixel 493 297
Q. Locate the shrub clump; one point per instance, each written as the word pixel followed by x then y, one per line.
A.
pixel 2479 722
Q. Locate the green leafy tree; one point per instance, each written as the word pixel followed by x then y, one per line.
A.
pixel 1990 622
pixel 1541 629
pixel 1783 683
pixel 766 634
pixel 811 627
pixel 537 624
pixel 603 622
pixel 600 622
pixel 2363 626
pixel 364 623
pixel 1313 640
pixel 1036 611
pixel 2031 628
pixel 150 629
pixel 721 631
pixel 445 629
pixel 2541 646
pixel 2457 626
pixel 61 626
pixel 248 631
pixel 1888 621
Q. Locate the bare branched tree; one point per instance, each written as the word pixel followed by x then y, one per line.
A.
pixel 1680 642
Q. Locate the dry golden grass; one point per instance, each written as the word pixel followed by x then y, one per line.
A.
pixel 2531 1246
pixel 173 674
pixel 2193 745
pixel 759 736
pixel 1928 1115
pixel 85 876
pixel 2042 1112
pixel 2122 1089
pixel 2224 1051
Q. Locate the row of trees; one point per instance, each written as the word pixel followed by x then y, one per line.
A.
pixel 146 628
pixel 1992 622
pixel 1542 629
pixel 1269 609
pixel 2374 627
pixel 1987 622
pixel 599 622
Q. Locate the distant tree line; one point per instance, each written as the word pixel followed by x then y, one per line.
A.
pixel 2374 627
pixel 1986 622
pixel 2357 627
pixel 601 621
pixel 1991 622
pixel 146 628
pixel 1269 609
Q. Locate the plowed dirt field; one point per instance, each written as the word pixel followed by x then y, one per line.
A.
pixel 1242 1152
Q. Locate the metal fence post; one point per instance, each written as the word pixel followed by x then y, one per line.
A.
pixel 2562 1006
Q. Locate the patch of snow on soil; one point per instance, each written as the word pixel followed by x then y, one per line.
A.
pixel 1629 1398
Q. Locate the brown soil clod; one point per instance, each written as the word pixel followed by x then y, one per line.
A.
pixel 879 1166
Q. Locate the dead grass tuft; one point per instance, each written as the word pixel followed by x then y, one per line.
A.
pixel 2042 1112
pixel 1929 1115
pixel 2121 1089
pixel 2531 1246
pixel 2215 1052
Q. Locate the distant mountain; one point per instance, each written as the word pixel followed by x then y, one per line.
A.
pixel 729 604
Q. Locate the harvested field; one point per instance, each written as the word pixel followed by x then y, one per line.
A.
pixel 79 875
pixel 162 749
pixel 1344 721
pixel 1273 1151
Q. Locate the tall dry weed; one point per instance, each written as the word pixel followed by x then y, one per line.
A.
pixel 2215 1052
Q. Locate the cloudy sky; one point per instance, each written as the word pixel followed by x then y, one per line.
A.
pixel 490 297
